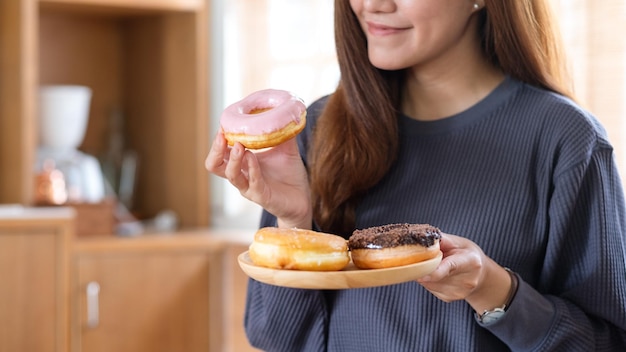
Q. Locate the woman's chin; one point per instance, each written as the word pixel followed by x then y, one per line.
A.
pixel 387 62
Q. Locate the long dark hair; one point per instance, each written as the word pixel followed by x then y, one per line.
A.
pixel 356 137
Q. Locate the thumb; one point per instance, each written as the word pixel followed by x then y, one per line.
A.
pixel 448 242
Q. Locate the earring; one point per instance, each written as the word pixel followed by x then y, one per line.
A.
pixel 476 6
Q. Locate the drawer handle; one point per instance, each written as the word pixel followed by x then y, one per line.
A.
pixel 93 295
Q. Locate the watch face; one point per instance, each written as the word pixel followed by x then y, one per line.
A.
pixel 492 316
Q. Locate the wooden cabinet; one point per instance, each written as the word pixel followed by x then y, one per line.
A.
pixel 177 292
pixel 146 60
pixel 236 284
pixel 34 280
pixel 154 293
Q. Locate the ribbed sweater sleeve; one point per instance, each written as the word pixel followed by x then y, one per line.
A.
pixel 584 271
pixel 526 175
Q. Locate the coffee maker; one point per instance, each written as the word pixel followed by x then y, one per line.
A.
pixel 63 117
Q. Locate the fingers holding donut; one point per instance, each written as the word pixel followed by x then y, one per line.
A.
pixel 218 156
pixel 236 169
pixel 459 273
pixel 232 164
pixel 275 178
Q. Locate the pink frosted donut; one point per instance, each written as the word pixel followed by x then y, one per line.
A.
pixel 263 119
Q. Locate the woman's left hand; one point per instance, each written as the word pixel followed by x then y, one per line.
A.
pixel 467 273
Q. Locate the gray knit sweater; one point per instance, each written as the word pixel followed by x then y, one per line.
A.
pixel 529 177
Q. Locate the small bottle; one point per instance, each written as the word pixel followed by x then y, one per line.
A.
pixel 50 185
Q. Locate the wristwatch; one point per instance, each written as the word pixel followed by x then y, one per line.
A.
pixel 490 316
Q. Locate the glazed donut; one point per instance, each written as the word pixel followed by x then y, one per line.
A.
pixel 263 119
pixel 298 249
pixel 393 245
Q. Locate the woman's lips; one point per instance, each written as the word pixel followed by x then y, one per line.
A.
pixel 378 29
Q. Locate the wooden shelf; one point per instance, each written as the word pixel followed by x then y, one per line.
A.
pixel 156 292
pixel 130 6
pixel 147 59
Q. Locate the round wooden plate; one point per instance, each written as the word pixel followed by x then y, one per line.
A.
pixel 350 277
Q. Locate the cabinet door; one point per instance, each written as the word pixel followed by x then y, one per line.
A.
pixel 27 299
pixel 32 293
pixel 155 301
pixel 236 284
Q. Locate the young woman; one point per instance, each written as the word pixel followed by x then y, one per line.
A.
pixel 454 113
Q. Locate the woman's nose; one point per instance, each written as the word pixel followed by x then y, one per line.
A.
pixel 379 5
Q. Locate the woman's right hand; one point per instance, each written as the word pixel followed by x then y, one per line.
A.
pixel 274 178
